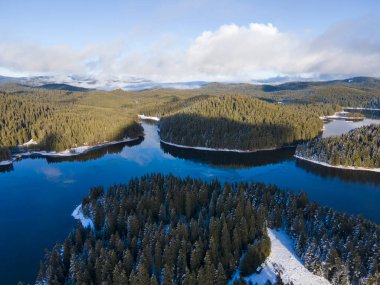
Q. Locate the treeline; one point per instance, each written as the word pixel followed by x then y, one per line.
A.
pixel 175 105
pixel 59 125
pixel 359 92
pixel 242 122
pixel 359 148
pixel 167 230
pixel 347 96
pixel 161 230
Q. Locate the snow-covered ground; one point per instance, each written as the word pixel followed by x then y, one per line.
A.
pixel 340 115
pixel 5 162
pixel 78 215
pixel 219 149
pixel 143 117
pixel 284 258
pixel 69 152
pixel 338 166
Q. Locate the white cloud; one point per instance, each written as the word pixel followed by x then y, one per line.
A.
pixel 246 52
pixel 231 52
pixel 51 172
pixel 33 58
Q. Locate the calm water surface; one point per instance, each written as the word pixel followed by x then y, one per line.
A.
pixel 37 196
pixel 338 127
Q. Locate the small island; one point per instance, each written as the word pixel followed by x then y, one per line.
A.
pixel 359 149
pixel 242 123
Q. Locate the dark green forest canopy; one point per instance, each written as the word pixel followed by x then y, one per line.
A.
pixel 4 154
pixel 168 230
pixel 242 122
pixel 161 228
pixel 358 148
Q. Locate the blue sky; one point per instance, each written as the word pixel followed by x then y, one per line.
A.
pixel 184 40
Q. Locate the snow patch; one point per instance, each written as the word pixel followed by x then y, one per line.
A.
pixel 340 115
pixel 143 117
pixel 78 215
pixel 283 258
pixel 337 166
pixel 5 162
pixel 31 142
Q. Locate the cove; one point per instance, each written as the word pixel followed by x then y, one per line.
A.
pixel 37 196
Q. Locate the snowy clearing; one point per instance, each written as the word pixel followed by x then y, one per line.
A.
pixel 221 149
pixel 143 117
pixel 337 166
pixel 78 215
pixel 284 258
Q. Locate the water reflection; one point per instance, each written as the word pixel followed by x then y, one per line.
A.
pixel 93 154
pixel 6 168
pixel 353 176
pixel 230 159
pixel 339 127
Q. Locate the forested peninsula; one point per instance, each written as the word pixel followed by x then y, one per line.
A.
pixel 359 148
pixel 55 125
pixel 168 230
pixel 242 123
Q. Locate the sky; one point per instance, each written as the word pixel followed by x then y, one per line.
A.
pixel 177 41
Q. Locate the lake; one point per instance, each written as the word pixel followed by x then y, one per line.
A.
pixel 37 196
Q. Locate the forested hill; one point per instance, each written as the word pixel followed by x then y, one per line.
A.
pixel 358 148
pixel 242 122
pixel 168 230
pixel 352 92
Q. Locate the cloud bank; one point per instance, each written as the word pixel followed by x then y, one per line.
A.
pixel 230 53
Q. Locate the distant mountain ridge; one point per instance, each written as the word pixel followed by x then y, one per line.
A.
pixel 85 83
pixel 78 83
pixel 362 82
